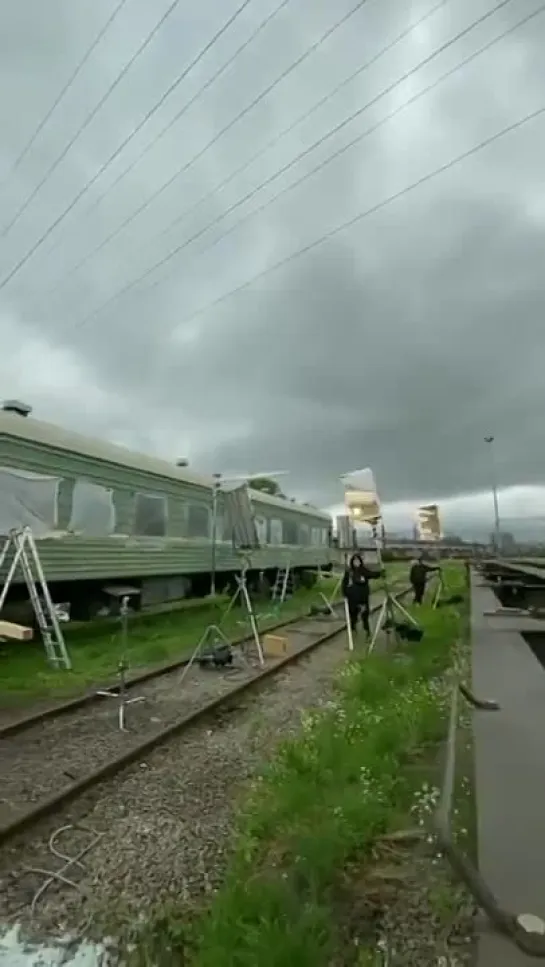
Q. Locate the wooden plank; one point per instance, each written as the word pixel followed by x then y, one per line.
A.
pixel 17 632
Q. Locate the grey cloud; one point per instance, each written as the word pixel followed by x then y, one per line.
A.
pixel 397 344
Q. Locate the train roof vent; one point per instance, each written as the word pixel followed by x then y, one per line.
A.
pixel 15 406
pixel 182 462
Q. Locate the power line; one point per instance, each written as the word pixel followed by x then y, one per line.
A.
pixel 305 116
pixel 130 218
pixel 83 261
pixel 378 206
pixel 340 151
pixel 69 83
pixel 179 114
pixel 88 119
pixel 83 191
pixel 130 285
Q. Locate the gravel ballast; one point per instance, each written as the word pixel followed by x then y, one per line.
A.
pixel 56 752
pixel 165 823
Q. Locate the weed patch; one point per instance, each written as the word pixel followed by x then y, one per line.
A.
pixel 299 890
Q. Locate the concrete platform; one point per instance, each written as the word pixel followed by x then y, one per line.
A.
pixel 510 773
pixel 518 624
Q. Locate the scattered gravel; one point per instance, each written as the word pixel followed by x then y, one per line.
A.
pixel 430 921
pixel 40 761
pixel 165 823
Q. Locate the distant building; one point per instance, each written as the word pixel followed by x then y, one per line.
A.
pixel 507 542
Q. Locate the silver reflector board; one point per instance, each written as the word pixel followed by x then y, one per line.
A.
pixel 240 516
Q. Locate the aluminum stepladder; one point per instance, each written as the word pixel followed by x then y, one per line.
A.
pixel 25 555
pixel 283 585
pixel 282 590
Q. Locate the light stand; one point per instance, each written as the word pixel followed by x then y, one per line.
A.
pixel 428 528
pixel 343 541
pixel 240 517
pixel 439 590
pixel 328 600
pixel 121 692
pixel 243 594
pixel 349 632
pixel 363 506
pixel 214 536
pixel 386 618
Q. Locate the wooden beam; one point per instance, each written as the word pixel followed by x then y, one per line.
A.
pixel 17 632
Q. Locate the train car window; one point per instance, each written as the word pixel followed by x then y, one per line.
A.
pixel 150 516
pixel 261 528
pixel 198 521
pixel 290 532
pixel 304 534
pixel 28 500
pixel 93 511
pixel 275 531
pixel 315 537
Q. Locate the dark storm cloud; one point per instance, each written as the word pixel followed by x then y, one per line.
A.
pixel 398 344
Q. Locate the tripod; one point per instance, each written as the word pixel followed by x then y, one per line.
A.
pixel 121 692
pixel 389 609
pixel 214 635
pixel 439 591
pixel 328 600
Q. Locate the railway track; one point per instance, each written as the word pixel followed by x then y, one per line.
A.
pixel 55 757
pixel 132 681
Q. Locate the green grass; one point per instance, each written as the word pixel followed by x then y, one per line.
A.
pixel 154 639
pixel 317 809
pixel 151 642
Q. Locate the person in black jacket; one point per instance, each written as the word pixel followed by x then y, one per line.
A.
pixel 418 576
pixel 355 588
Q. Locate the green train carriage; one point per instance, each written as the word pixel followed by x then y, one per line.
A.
pixel 104 516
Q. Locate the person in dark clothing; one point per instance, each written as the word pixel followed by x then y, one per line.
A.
pixel 418 576
pixel 355 588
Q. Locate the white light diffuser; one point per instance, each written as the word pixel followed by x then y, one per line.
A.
pixel 429 523
pixel 360 496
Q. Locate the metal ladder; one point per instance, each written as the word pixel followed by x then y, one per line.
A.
pixel 283 585
pixel 25 554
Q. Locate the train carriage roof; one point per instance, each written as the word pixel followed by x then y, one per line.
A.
pixel 50 435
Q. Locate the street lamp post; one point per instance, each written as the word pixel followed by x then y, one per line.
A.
pixel 497 532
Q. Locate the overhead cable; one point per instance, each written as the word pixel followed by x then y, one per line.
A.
pixel 69 83
pixel 241 168
pixel 177 117
pixel 55 164
pixel 165 259
pixel 158 192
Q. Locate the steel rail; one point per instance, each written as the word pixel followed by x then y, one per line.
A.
pixel 53 803
pixel 138 678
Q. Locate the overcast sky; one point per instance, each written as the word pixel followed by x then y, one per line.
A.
pixel 397 344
